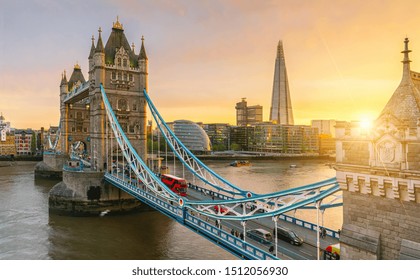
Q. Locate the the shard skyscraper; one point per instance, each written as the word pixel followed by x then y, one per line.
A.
pixel 281 106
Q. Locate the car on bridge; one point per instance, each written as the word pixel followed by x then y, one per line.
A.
pixel 260 235
pixel 288 235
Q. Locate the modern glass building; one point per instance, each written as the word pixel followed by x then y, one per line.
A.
pixel 192 136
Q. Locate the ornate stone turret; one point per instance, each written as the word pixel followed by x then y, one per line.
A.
pixel 99 62
pixel 404 105
pixel 91 54
pixel 143 64
pixel 76 78
pixel 379 173
pixel 63 84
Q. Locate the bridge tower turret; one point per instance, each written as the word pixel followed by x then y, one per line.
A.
pixel 143 65
pixel 63 110
pixel 97 113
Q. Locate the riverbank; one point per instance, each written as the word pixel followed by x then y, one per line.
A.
pixel 264 157
pixel 20 158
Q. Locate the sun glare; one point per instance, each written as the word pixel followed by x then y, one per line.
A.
pixel 366 123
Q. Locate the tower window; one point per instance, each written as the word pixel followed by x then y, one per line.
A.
pixel 113 75
pixel 119 61
pixel 125 62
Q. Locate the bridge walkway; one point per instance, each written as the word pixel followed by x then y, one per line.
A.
pixel 307 230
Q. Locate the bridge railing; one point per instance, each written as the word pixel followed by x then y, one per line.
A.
pixel 209 192
pixel 181 215
pixel 308 225
pixel 228 240
pixel 173 211
pixel 287 218
pixel 72 168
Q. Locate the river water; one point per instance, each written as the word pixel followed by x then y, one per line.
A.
pixel 29 232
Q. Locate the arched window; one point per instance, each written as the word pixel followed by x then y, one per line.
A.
pixel 113 75
pixel 122 104
pixel 124 62
pixel 119 61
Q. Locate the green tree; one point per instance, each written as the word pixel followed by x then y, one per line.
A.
pixel 235 147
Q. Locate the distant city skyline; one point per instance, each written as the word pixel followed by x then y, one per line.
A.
pixel 343 58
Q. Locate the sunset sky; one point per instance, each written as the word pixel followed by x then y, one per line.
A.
pixel 343 57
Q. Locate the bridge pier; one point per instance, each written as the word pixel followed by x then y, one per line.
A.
pixel 51 166
pixel 87 194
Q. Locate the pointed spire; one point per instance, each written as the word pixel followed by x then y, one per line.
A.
pixel 92 48
pixel 133 47
pixel 63 78
pixel 280 53
pixel 404 104
pixel 142 54
pixel 406 61
pixel 281 111
pixel 117 25
pixel 99 44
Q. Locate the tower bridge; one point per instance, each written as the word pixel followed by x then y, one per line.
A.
pixel 101 150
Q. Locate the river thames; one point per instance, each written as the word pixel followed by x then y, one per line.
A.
pixel 29 232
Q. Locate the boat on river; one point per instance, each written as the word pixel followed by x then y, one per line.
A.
pixel 239 163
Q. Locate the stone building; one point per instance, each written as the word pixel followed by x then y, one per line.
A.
pixel 7 140
pixel 24 141
pixel 123 72
pixel 379 172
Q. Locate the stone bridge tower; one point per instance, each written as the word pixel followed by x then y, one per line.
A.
pixel 379 172
pixel 124 75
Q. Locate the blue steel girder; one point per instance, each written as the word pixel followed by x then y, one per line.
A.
pixel 136 164
pixel 188 159
pixel 267 205
pixel 245 208
pixel 53 145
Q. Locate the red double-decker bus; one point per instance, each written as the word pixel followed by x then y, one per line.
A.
pixel 176 184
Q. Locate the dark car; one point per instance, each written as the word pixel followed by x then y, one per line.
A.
pixel 288 235
pixel 260 235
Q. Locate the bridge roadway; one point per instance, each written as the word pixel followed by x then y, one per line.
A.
pixel 285 250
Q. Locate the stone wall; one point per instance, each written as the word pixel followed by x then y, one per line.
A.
pixel 413 156
pixel 356 152
pixel 87 193
pixel 55 161
pixel 393 219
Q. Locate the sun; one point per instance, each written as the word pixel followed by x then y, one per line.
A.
pixel 366 123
